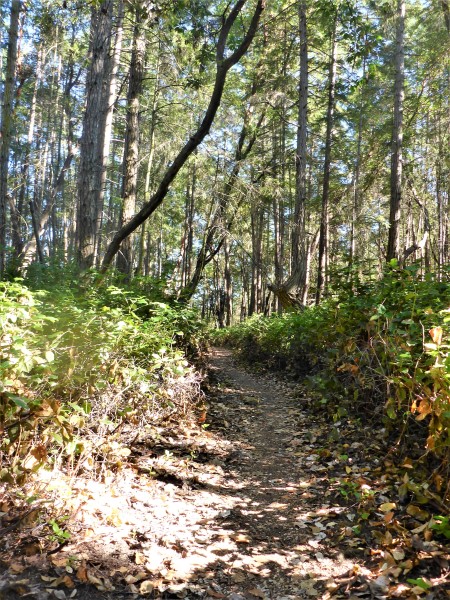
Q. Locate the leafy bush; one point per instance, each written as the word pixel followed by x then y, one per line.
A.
pixel 75 364
pixel 382 348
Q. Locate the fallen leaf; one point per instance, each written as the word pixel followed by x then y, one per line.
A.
pixel 240 538
pixel 16 568
pixel 82 574
pixel 146 587
pixel 417 512
pixel 214 594
pixel 58 560
pixel 398 554
pixel 387 506
pixel 257 593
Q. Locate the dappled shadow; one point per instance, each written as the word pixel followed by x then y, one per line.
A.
pixel 240 510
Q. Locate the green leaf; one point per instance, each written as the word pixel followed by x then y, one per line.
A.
pixel 19 401
pixel 420 583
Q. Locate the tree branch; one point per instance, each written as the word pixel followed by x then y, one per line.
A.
pixel 223 66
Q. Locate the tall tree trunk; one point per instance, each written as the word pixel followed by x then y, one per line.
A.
pixel 6 123
pixel 228 284
pixel 356 178
pixel 131 153
pixel 299 243
pixel 393 249
pixel 323 239
pixel 92 144
pixel 110 102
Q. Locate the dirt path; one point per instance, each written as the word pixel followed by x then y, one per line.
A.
pixel 280 506
pixel 257 504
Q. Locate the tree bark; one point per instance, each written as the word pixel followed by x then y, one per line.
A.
pixel 92 145
pixel 293 292
pixel 6 123
pixel 393 249
pixel 131 152
pixel 323 239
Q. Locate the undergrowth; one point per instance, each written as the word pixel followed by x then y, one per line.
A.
pixel 78 363
pixel 378 350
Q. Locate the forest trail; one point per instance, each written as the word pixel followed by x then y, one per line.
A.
pixel 280 509
pixel 253 506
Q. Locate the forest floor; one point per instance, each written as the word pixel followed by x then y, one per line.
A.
pixel 269 501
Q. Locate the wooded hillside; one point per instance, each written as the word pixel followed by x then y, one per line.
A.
pixel 131 138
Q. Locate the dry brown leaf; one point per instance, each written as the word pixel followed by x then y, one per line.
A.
pixel 240 538
pixel 398 554
pixel 16 568
pixel 213 594
pixel 58 560
pixel 94 580
pixel 146 587
pixel 388 517
pixel 140 558
pixel 82 574
pixel 257 593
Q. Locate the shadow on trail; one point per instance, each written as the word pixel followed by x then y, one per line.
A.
pixel 242 519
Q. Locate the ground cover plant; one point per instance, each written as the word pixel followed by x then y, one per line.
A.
pixel 77 363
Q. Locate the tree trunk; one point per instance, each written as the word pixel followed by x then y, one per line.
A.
pixel 212 243
pixel 293 291
pixel 228 285
pixel 393 249
pixel 298 232
pixel 6 123
pixel 110 101
pixel 323 239
pixel 92 144
pixel 356 179
pixel 131 152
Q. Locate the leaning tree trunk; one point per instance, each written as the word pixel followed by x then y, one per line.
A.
pixel 224 63
pixel 218 229
pixel 393 249
pixel 6 124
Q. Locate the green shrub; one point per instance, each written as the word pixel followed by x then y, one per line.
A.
pixel 381 348
pixel 75 363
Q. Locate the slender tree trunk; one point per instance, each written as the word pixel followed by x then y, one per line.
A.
pixel 323 239
pixel 110 101
pixel 6 123
pixel 228 284
pixel 131 153
pixel 356 178
pixel 148 175
pixel 298 232
pixel 393 249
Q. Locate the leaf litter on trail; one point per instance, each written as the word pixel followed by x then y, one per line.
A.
pixel 334 519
